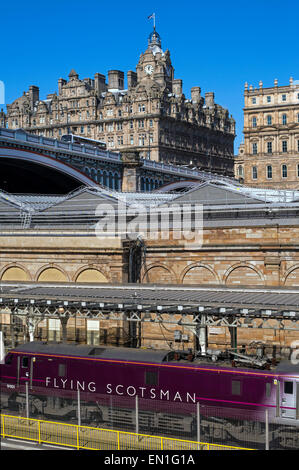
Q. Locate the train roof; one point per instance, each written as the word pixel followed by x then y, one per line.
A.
pixel 64 349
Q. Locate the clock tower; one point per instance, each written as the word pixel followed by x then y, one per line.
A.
pixel 155 64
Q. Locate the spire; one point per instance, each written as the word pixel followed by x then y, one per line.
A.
pixel 154 39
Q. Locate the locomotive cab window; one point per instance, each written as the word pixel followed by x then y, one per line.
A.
pixel 25 361
pixel 151 377
pixel 236 387
pixel 288 388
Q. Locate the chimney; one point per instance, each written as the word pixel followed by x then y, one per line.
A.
pixel 209 99
pixel 116 79
pixel 61 82
pixel 131 79
pixel 195 94
pixel 99 83
pixel 33 94
pixel 177 86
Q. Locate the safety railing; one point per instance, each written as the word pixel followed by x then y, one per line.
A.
pixel 88 438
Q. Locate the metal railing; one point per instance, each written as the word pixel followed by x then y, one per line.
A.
pixel 88 438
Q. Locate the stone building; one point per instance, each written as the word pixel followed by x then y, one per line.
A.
pixel 250 238
pixel 269 156
pixel 151 116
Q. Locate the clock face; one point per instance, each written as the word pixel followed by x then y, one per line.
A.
pixel 149 69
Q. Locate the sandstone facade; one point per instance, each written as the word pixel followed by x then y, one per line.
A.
pixel 269 156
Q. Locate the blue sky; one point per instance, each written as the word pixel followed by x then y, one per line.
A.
pixel 215 45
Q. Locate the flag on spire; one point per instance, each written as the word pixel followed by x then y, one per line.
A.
pixel 153 16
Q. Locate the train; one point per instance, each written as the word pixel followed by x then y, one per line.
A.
pixel 169 384
pixel 78 139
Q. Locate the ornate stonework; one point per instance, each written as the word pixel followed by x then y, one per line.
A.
pixel 151 116
pixel 269 156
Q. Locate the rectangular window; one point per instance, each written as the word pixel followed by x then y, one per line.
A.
pixel 284 146
pixel 151 377
pixel 269 172
pixel 254 148
pixel 269 147
pixel 283 97
pixel 254 172
pixel 268 390
pixel 253 101
pixel 25 361
pixel 268 99
pixel 131 140
pixel 284 171
pixel 236 387
pixel 288 388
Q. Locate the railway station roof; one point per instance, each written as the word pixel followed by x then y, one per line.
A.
pixel 222 203
pixel 168 298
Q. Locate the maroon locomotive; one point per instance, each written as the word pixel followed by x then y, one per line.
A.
pixel 157 378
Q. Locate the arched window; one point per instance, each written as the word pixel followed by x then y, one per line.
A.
pixel 105 178
pixel 284 171
pixel 240 171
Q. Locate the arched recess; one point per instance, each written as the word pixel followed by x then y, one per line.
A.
pixel 158 275
pixel 15 273
pixel 244 275
pixel 292 277
pixel 91 275
pixel 200 275
pixel 52 275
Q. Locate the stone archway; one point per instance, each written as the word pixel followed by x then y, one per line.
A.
pixel 52 274
pixel 292 278
pixel 199 275
pixel 15 273
pixel 159 275
pixel 244 275
pixel 91 275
